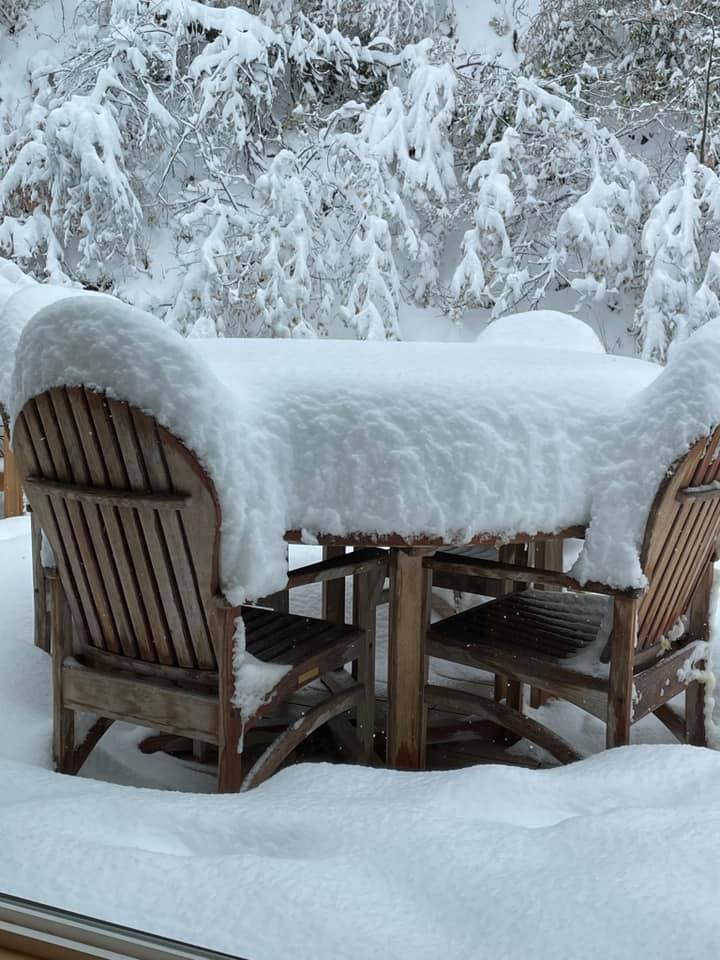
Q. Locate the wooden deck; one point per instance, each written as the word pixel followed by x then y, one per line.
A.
pixel 481 742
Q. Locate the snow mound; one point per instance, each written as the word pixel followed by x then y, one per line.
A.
pixel 20 298
pixel 418 439
pixel 679 407
pixel 128 354
pixel 542 328
pixel 593 853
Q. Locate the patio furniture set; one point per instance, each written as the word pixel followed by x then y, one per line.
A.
pixel 143 628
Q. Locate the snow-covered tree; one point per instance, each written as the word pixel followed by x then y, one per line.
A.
pixel 284 167
pixel 678 298
pixel 285 285
pixel 375 294
pixel 401 21
pixel 652 61
pixel 557 201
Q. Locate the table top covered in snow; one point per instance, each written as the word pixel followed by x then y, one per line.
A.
pixel 438 439
pixel 415 439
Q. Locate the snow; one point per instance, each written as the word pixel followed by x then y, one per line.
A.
pixel 549 329
pixel 479 37
pixel 679 407
pixel 421 439
pixel 254 679
pixel 22 299
pixel 418 439
pixel 307 864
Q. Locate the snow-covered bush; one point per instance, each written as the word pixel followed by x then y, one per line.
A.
pixel 648 59
pixel 287 167
pixel 557 201
pixel 401 21
pixel 682 282
pixel 11 15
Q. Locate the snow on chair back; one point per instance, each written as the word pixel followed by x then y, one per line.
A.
pixel 133 522
pixel 682 528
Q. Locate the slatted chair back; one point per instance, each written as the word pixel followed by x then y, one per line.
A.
pixel 133 522
pixel 680 537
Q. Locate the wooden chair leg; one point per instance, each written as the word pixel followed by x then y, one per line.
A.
pixel 229 720
pixel 516 695
pixel 695 730
pixel 13 492
pixel 366 593
pixel 293 736
pixel 622 651
pixel 40 587
pixel 63 719
pixel 500 687
pixel 699 628
pixel 505 687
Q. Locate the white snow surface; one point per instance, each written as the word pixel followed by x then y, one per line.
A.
pixel 577 863
pixel 20 298
pixel 253 679
pixel 550 329
pixel 417 439
pixel 491 861
pixel 434 439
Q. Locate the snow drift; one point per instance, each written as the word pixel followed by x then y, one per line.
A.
pixel 443 440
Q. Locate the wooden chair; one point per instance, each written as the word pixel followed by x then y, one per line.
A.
pixel 140 629
pixel 616 654
pixel 547 554
pixel 9 479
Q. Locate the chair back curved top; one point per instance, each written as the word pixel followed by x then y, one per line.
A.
pixel 133 522
pixel 680 538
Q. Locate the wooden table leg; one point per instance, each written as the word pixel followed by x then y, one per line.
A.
pixel 333 591
pixel 409 605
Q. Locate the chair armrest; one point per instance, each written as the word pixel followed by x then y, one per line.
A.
pixel 336 568
pixel 450 563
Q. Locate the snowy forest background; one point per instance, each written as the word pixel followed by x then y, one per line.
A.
pixel 368 168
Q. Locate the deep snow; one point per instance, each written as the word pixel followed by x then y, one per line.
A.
pixel 511 434
pixel 615 857
pixel 418 439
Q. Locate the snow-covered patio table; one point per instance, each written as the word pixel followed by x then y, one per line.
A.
pixel 426 444
pixel 512 438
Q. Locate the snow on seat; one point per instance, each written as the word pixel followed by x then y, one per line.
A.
pixel 542 328
pixel 417 439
